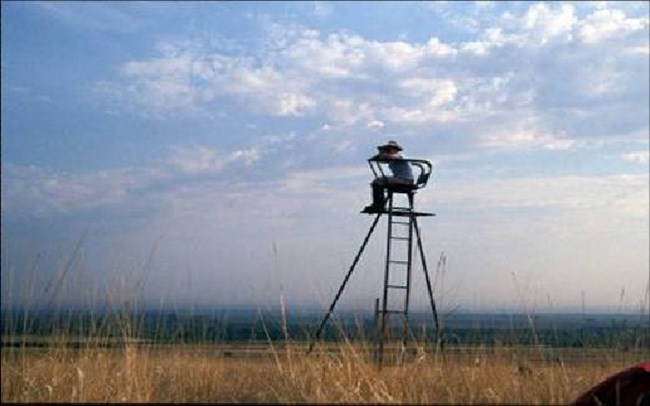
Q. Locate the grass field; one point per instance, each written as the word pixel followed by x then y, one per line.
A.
pixel 126 356
pixel 285 373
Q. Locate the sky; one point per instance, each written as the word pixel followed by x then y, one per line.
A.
pixel 214 153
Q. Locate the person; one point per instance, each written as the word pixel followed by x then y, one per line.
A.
pixel 401 170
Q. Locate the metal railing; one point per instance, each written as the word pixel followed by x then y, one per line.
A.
pixel 423 167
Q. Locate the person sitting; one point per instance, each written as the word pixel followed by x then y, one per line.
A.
pixel 401 170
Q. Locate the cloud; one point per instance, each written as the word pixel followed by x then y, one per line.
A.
pixel 220 226
pixel 641 157
pixel 608 24
pixel 574 74
pixel 528 132
pixel 10 92
pixel 375 124
pixel 322 9
pixel 30 190
pixel 200 159
pixel 311 104
pixel 624 195
pixel 193 174
pixel 288 82
pixel 93 15
pixel 185 80
pixel 544 24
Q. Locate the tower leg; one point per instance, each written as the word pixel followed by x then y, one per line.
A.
pixel 375 327
pixel 428 282
pixel 345 281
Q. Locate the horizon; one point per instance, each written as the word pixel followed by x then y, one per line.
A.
pixel 303 309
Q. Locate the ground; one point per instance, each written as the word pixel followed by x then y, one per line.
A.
pixel 274 372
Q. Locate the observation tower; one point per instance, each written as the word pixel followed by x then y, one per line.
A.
pixel 402 233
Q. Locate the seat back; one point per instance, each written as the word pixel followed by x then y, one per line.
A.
pixel 379 168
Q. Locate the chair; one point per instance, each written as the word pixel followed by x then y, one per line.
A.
pixel 377 166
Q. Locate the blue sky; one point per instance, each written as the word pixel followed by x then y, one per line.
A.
pixel 216 151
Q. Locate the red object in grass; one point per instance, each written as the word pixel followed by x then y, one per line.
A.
pixel 628 387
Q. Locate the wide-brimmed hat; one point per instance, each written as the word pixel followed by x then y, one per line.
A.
pixel 390 144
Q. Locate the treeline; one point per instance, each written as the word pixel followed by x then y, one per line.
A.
pixel 112 328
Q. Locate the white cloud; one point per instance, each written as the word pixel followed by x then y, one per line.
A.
pixel 549 63
pixel 94 15
pixel 641 157
pixel 544 24
pixel 435 92
pixel 529 222
pixel 525 133
pixel 546 76
pixel 198 159
pixel 607 24
pixel 37 191
pixel 376 124
pixel 484 4
pixel 621 196
pixel 644 49
pixel 311 181
pixel 158 87
pixel 322 9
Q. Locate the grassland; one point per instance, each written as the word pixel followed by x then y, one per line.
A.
pixel 284 373
pixel 123 356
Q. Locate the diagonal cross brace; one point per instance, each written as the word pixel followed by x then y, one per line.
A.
pixel 345 281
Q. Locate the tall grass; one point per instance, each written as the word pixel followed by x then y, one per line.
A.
pixel 113 360
pixel 194 373
pixel 112 363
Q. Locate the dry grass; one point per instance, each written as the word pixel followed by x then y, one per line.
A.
pixel 184 373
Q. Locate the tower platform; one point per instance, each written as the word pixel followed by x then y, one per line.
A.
pixel 403 213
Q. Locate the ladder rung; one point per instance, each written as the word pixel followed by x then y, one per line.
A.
pixel 397 286
pixel 399 262
pixel 406 223
pixel 400 238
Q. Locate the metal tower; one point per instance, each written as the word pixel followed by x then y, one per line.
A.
pixel 402 227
